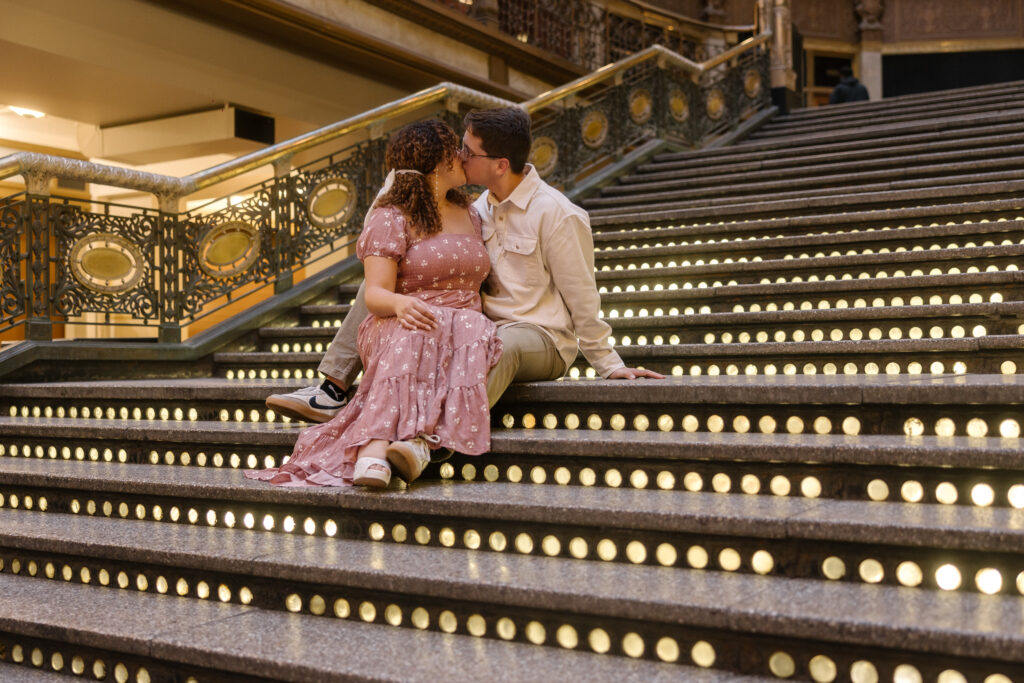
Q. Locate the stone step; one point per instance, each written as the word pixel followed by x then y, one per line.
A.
pixel 693 221
pixel 934 322
pixel 790 537
pixel 820 293
pixel 915 164
pixel 977 198
pixel 861 122
pixel 766 155
pixel 642 612
pixel 968 94
pixel 219 410
pixel 180 639
pixel 980 355
pixel 853 119
pixel 754 445
pixel 24 671
pixel 861 137
pixel 858 266
pixel 741 237
pixel 850 185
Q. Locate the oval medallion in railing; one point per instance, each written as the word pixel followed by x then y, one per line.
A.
pixel 594 128
pixel 640 107
pixel 228 249
pixel 107 263
pixel 716 104
pixel 331 203
pixel 752 83
pixel 678 106
pixel 544 155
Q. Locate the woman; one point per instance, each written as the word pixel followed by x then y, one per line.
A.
pixel 426 347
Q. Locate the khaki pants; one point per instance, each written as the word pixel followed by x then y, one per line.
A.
pixel 529 354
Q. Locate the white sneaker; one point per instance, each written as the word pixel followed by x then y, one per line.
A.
pixel 372 472
pixel 411 457
pixel 311 404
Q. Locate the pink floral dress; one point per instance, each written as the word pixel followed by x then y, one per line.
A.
pixel 414 382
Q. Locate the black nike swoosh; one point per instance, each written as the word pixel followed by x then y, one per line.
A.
pixel 314 404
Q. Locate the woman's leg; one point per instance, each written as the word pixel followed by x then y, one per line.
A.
pixel 372 468
pixel 372 449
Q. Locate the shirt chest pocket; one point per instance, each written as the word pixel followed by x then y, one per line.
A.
pixel 522 258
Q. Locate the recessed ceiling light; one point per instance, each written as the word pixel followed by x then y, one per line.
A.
pixel 27 113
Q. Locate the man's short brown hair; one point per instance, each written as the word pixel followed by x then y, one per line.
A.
pixel 503 132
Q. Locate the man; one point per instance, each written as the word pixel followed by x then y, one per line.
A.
pixel 541 292
pixel 849 88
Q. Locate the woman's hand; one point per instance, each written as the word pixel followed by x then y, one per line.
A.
pixel 413 313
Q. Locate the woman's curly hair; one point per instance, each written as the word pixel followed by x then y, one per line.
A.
pixel 421 146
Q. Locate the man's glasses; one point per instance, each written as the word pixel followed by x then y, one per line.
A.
pixel 466 154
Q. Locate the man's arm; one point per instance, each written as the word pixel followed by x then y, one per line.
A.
pixel 568 252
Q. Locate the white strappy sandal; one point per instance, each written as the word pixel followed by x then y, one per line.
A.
pixel 372 472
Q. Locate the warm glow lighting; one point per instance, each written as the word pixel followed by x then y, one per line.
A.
pixel 27 113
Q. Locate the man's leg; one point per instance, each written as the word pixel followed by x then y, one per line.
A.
pixel 341 365
pixel 529 356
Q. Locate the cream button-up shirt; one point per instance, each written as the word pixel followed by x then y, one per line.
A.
pixel 542 270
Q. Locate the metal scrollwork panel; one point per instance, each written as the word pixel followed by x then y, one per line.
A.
pixel 105 264
pixel 225 249
pixel 330 202
pixel 557 147
pixel 12 293
pixel 678 100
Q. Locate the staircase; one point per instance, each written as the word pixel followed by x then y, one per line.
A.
pixel 828 487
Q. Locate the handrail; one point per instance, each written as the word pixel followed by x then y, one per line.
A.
pixel 609 70
pixel 116 176
pixel 21 163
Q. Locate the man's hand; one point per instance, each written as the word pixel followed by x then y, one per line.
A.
pixel 635 373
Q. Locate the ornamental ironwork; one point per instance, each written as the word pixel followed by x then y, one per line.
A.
pixel 640 106
pixel 544 155
pixel 105 262
pixel 331 203
pixel 594 128
pixel 63 258
pixel 229 249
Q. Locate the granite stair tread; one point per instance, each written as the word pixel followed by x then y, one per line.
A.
pixel 718 351
pixel 854 120
pixel 856 216
pixel 668 322
pixel 288 647
pixel 984 143
pixel 958 623
pixel 928 525
pixel 878 449
pixel 967 93
pixel 760 232
pixel 952 137
pixel 925 283
pixel 12 673
pixel 816 188
pixel 922 389
pixel 963 254
pixel 810 175
pixel 731 208
pixel 872 127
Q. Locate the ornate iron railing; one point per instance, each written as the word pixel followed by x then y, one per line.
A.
pixel 591 34
pixel 71 260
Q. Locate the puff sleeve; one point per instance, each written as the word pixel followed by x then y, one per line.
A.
pixel 383 235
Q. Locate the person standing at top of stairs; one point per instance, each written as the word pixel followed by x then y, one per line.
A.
pixel 541 291
pixel 849 88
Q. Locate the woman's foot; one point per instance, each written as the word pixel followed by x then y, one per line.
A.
pixel 372 472
pixel 411 457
